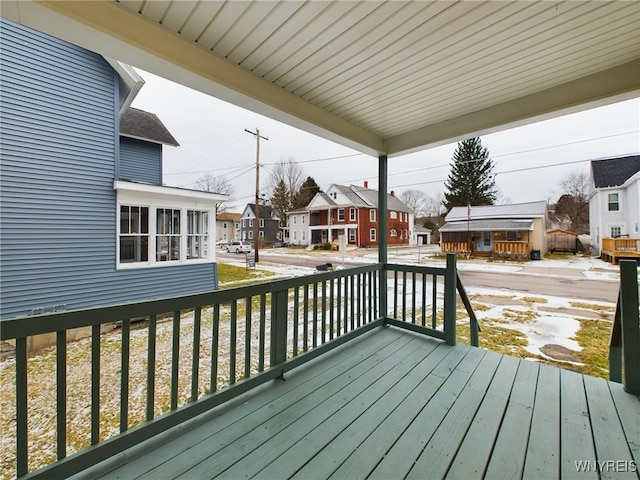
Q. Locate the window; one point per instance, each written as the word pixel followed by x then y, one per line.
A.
pixel 262 223
pixel 372 235
pixel 197 234
pixel 243 223
pixel 261 235
pixel 250 234
pixel 352 214
pixel 486 239
pixel 614 202
pixel 616 232
pixel 295 235
pixel 251 222
pixel 302 220
pixel 393 214
pixel 352 235
pixel 134 234
pixel 167 234
pixel 224 225
pixel 341 214
pixel 393 232
pixel 295 219
pixel 513 236
pixel 304 236
pixel 372 215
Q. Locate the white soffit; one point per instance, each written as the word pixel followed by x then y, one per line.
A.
pixel 380 77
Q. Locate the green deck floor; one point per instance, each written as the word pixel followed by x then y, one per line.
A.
pixel 393 404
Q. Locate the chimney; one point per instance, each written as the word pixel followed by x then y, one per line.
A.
pixel 393 194
pixel 366 184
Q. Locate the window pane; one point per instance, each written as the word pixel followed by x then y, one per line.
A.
pixel 144 219
pixel 135 220
pixel 124 219
pixel 134 249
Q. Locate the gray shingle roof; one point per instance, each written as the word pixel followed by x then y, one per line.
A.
pixel 371 196
pixel 613 172
pixel 488 225
pixel 513 211
pixel 145 126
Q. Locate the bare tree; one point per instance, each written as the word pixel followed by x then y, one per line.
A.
pixel 416 200
pixel 213 184
pixel 574 202
pixel 285 180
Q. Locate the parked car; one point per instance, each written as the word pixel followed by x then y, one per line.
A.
pixel 239 247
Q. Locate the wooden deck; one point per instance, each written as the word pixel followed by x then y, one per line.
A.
pixel 394 404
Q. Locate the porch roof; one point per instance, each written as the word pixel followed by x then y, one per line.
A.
pixel 488 225
pixel 380 77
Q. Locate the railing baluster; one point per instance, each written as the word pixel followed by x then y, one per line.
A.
pixel 247 338
pixel 346 304
pixel 215 334
pixel 261 355
pixel 352 300
pixel 331 313
pixel 315 315
pixel 434 300
pixel 175 359
pixel 424 300
pixel 376 289
pixel 61 394
pixel 124 374
pixel 413 297
pixel 151 368
pixel 296 319
pixel 404 296
pixel 22 443
pixel 324 312
pixel 195 357
pixel 232 342
pixel 359 300
pixel 339 308
pixel 305 315
pixel 395 294
pixel 95 384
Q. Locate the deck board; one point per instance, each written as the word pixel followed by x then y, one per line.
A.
pixel 395 404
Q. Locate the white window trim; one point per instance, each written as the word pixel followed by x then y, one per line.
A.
pixel 352 214
pixel 372 235
pixel 154 197
pixel 372 215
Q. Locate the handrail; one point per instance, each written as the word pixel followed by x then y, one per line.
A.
pixel 474 325
pixel 236 338
pixel 624 343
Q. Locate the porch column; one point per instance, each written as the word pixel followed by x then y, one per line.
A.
pixel 382 231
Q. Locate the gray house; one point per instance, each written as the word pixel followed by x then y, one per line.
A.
pixel 84 218
pixel 269 228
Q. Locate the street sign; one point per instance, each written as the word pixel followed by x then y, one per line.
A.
pixel 251 260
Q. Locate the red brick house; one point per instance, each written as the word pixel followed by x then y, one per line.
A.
pixel 353 211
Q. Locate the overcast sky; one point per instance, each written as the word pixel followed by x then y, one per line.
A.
pixel 530 161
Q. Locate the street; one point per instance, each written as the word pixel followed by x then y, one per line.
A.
pixel 574 286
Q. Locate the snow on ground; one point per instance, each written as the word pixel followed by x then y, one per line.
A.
pixel 553 320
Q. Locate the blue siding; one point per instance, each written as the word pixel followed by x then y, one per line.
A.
pixel 58 149
pixel 140 161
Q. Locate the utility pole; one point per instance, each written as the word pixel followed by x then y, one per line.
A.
pixel 256 223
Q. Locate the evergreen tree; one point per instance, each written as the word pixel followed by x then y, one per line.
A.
pixel 281 201
pixel 471 180
pixel 307 191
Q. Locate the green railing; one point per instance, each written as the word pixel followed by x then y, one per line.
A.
pixel 150 366
pixel 624 344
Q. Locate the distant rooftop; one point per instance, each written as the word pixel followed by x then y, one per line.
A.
pixel 145 126
pixel 513 211
pixel 613 172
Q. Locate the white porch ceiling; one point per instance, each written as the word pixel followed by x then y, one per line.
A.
pixel 380 77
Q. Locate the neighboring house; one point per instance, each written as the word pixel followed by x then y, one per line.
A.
pixel 298 227
pixel 421 235
pixel 496 229
pixel 353 211
pixel 269 229
pixel 228 226
pixel 84 218
pixel 614 199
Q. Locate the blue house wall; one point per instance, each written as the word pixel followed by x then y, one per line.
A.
pixel 59 146
pixel 140 161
